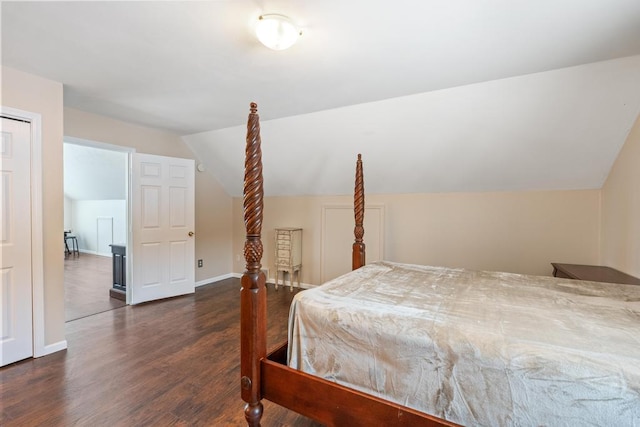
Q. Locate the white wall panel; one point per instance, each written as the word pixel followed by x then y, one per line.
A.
pixel 85 214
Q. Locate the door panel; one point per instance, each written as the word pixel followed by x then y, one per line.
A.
pixel 163 214
pixel 16 327
pixel 151 266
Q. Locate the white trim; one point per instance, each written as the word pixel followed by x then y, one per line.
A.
pixel 273 281
pixel 302 285
pixel 129 260
pixel 223 277
pixel 90 252
pixel 214 279
pixel 37 233
pixel 97 144
pixel 52 348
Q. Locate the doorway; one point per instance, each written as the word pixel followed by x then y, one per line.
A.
pixel 96 215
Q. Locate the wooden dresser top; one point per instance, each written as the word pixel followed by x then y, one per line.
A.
pixel 595 273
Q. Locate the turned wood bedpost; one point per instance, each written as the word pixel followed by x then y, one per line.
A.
pixel 253 297
pixel 358 253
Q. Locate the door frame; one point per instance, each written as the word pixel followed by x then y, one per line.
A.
pixel 129 151
pixel 37 229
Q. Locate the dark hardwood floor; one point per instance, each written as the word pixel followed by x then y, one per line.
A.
pixel 87 280
pixel 167 363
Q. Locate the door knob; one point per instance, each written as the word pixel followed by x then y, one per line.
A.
pixel 191 234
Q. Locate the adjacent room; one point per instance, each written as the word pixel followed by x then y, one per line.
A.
pixel 95 225
pixel 326 213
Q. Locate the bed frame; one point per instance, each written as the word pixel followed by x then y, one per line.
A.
pixel 268 376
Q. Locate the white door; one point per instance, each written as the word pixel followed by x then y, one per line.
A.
pixel 163 220
pixel 16 341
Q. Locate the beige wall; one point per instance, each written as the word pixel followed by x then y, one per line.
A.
pixel 621 208
pixel 521 232
pixel 213 205
pixel 37 95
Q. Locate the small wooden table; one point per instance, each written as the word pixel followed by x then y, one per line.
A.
pixel 594 273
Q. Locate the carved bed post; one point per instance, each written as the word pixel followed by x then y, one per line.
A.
pixel 358 253
pixel 253 297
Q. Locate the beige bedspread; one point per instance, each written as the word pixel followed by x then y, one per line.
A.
pixel 476 347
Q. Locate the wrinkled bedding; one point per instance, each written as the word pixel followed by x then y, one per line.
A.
pixel 476 347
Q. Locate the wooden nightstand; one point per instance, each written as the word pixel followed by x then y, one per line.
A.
pixel 288 254
pixel 594 273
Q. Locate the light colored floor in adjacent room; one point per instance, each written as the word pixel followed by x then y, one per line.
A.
pixel 87 280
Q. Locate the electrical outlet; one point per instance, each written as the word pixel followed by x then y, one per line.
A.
pixel 238 258
pixel 199 263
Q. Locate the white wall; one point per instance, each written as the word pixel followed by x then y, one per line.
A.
pixel 37 95
pixel 621 209
pixel 68 217
pixel 85 215
pixel 518 232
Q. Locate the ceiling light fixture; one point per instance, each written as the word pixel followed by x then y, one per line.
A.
pixel 276 31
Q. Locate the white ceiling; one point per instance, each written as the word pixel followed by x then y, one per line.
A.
pixel 459 95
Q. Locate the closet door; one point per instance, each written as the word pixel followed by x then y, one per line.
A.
pixel 16 325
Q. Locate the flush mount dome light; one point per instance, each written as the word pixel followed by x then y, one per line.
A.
pixel 276 31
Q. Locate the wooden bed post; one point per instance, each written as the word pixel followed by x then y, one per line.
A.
pixel 358 252
pixel 253 297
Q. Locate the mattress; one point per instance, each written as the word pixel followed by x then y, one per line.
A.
pixel 476 347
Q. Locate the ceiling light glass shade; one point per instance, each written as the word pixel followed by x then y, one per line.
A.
pixel 276 32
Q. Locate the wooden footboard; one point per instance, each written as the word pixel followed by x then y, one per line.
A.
pixel 329 402
pixel 269 377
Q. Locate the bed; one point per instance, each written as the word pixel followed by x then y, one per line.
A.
pixel 452 345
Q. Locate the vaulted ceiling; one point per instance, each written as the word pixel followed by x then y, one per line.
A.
pixel 94 174
pixel 460 95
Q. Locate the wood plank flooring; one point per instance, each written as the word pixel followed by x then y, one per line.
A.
pixel 167 363
pixel 87 280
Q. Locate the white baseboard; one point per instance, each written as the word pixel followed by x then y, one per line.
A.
pixel 214 279
pixel 273 281
pixel 302 285
pixel 87 251
pixel 53 348
pixel 239 276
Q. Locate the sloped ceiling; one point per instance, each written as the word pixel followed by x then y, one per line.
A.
pixel 461 95
pixel 556 130
pixel 94 174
